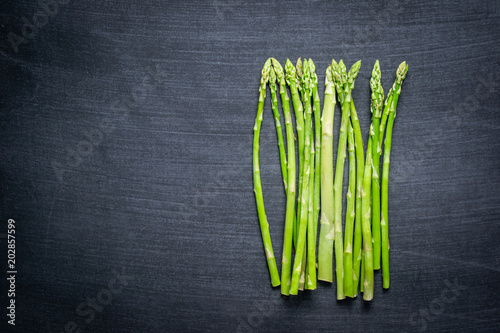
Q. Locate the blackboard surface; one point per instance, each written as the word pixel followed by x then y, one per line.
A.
pixel 125 162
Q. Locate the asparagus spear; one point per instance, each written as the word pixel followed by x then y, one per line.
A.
pixel 259 198
pixel 310 274
pixel 349 217
pixel 301 239
pixel 317 145
pixel 360 169
pixel 376 109
pixel 362 277
pixel 351 279
pixel 360 163
pixel 303 205
pixel 366 216
pixel 291 79
pixel 400 76
pixel 337 70
pixel 277 121
pixel 327 230
pixel 344 84
pixel 286 260
pixel 383 121
pixel 311 239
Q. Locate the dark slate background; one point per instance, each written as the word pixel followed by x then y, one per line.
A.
pixel 164 196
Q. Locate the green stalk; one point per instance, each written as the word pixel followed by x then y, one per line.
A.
pixel 383 121
pixel 317 146
pixel 340 78
pixel 286 260
pixel 349 217
pixel 277 121
pixel 259 198
pixel 366 217
pixel 301 239
pixel 400 76
pixel 302 278
pixel 360 168
pixel 376 109
pixel 362 277
pixel 344 84
pixel 302 89
pixel 291 79
pixel 310 276
pixel 326 232
pixel 312 235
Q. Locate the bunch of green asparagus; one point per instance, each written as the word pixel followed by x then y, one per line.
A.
pixel 361 243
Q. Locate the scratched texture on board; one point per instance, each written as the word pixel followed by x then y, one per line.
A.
pixel 164 196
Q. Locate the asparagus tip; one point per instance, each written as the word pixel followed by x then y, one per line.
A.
pixel 272 76
pixel 343 70
pixel 279 72
pixel 402 70
pixel 336 72
pixel 377 91
pixel 353 72
pixel 312 71
pixel 266 68
pixel 306 75
pixel 290 72
pixel 298 67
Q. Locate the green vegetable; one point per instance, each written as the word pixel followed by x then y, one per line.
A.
pixel 327 230
pixel 310 273
pixel 368 282
pixel 376 110
pixel 360 169
pixel 286 260
pixel 301 239
pixel 291 80
pixel 311 239
pixel 349 216
pixel 365 245
pixel 385 116
pixel 279 131
pixel 396 88
pixel 302 89
pixel 344 83
pixel 264 225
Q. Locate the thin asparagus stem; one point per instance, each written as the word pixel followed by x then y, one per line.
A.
pixel 302 278
pixel 317 146
pixel 377 97
pixel 383 121
pixel 259 198
pixel 344 84
pixel 286 259
pixel 349 217
pixel 291 79
pixel 362 277
pixel 327 230
pixel 301 79
pixel 360 165
pixel 311 240
pixel 310 275
pixel 277 121
pixel 337 70
pixel 366 217
pixel 301 239
pixel 400 76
